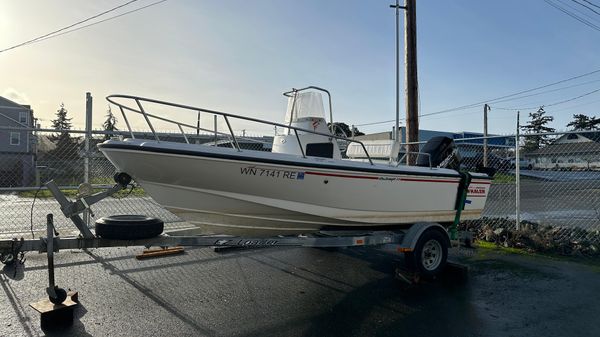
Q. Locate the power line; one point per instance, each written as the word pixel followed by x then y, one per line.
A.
pixel 591 3
pixel 495 100
pixel 576 106
pixel 103 20
pixel 58 31
pixel 547 91
pixel 574 16
pixel 586 6
pixel 581 9
pixel 551 104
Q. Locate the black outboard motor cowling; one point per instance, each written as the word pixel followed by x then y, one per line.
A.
pixel 439 148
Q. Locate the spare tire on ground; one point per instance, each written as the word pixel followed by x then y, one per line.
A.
pixel 128 227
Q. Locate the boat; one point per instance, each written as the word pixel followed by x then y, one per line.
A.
pixel 304 184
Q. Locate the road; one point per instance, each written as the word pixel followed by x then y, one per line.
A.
pixel 303 292
pixel 561 175
pixel 560 203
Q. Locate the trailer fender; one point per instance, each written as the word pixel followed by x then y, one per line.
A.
pixel 415 231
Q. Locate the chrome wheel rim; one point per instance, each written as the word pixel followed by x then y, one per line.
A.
pixel 431 255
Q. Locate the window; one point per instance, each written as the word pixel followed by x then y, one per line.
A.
pixel 15 138
pixel 23 117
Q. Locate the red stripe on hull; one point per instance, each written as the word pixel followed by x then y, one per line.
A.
pixel 376 178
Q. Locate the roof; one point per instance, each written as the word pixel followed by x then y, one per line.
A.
pixel 595 136
pixel 5 102
pixel 570 148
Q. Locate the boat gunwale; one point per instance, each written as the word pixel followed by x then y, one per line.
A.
pixel 241 157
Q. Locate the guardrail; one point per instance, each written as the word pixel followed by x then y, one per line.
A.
pixel 226 116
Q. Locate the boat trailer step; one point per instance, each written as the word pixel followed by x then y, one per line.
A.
pixel 158 252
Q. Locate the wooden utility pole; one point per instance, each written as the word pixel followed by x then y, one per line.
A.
pixel 411 82
pixel 485 134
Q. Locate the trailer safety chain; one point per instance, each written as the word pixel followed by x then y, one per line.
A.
pixel 15 256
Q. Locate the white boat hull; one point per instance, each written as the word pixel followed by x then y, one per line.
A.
pixel 221 190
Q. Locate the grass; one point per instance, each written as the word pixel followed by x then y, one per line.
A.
pixel 503 178
pixel 509 250
pixel 486 247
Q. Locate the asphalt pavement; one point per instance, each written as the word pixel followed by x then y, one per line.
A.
pixel 303 292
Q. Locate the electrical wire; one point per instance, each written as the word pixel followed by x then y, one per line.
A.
pixel 103 20
pixel 591 3
pixel 548 91
pixel 574 16
pixel 66 30
pixel 67 27
pixel 551 104
pixel 495 100
pixel 579 9
pixel 586 6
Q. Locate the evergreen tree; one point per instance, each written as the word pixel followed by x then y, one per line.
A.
pixel 110 123
pixel 343 130
pixel 66 146
pixel 537 124
pixel 584 122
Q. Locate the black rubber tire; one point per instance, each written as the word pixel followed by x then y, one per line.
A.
pixel 128 227
pixel 414 259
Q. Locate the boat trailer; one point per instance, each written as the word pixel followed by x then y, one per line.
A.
pixel 424 244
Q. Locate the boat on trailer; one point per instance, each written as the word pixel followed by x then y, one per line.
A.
pixel 303 185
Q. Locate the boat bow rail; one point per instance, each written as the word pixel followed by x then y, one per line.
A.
pixel 139 105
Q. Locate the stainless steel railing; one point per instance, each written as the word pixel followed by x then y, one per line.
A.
pixel 139 109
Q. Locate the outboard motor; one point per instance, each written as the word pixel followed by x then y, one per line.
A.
pixel 442 152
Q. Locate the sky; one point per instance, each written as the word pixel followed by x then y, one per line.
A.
pixel 239 56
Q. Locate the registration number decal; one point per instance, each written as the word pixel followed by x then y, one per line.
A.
pixel 272 173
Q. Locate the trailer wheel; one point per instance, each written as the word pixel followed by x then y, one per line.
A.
pixel 128 227
pixel 61 295
pixel 430 254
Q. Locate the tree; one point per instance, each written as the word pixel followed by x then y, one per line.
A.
pixel 110 123
pixel 584 122
pixel 343 130
pixel 537 124
pixel 66 146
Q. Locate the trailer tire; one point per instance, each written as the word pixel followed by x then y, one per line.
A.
pixel 128 227
pixel 61 296
pixel 430 254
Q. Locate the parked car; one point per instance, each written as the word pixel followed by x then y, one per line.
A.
pixel 523 164
pixel 498 163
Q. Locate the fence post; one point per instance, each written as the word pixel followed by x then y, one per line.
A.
pixel 86 155
pixel 216 136
pixel 517 179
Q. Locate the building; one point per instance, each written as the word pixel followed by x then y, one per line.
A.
pixel 17 147
pixel 469 144
pixel 572 151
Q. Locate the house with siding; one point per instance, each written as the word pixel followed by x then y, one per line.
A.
pixel 572 151
pixel 17 144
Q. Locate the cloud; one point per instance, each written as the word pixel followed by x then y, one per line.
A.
pixel 16 96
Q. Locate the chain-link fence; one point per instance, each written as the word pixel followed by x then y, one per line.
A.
pixel 71 158
pixel 552 183
pixel 550 187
